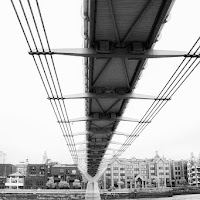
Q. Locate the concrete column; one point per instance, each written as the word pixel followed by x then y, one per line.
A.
pixel 133 175
pixel 92 190
pixel 17 182
pixel 170 173
pixel 119 185
pixel 142 184
pixel 10 182
pixel 104 180
pixel 126 176
pixel 196 176
pixel 164 175
pixel 112 179
pixel 157 174
pixel 149 171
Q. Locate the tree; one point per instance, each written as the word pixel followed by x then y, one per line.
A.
pixel 51 184
pixel 120 184
pixel 157 181
pixel 63 185
pixel 182 181
pixel 76 184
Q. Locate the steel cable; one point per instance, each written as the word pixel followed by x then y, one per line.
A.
pixel 55 71
pixel 74 151
pixel 135 133
pixel 64 134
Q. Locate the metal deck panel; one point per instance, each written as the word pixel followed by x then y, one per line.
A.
pixel 146 24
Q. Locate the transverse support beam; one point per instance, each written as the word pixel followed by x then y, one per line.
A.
pixel 100 133
pixel 102 149
pixel 99 142
pixel 110 96
pixel 88 118
pixel 115 53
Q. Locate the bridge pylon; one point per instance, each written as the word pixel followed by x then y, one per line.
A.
pixel 92 190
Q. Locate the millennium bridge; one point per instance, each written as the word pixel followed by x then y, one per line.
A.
pixel 119 37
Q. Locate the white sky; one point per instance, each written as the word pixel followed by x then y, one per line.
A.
pixel 28 126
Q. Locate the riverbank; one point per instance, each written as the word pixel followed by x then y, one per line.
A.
pixel 24 194
pixel 186 190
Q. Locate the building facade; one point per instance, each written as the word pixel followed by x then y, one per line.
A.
pixel 179 175
pixel 137 173
pixel 22 167
pixel 36 177
pixel 5 171
pixel 15 181
pixel 67 173
pixel 193 167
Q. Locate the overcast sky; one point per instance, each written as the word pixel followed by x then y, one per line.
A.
pixel 28 126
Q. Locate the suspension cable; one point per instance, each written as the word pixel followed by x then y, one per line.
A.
pixel 135 132
pixel 28 43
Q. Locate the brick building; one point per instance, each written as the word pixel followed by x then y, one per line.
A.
pixel 178 172
pixel 65 173
pixel 5 171
pixel 36 176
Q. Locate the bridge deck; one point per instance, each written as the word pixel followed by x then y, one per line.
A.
pixel 109 26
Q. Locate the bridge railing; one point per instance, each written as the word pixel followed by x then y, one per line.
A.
pixel 35 191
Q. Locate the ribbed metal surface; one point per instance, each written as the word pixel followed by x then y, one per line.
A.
pixel 126 13
pixel 123 23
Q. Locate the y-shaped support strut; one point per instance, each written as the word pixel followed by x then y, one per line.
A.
pixel 92 191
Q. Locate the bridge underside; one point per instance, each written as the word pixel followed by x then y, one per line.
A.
pixel 130 26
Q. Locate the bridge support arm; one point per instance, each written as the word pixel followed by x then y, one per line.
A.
pixel 115 53
pixel 92 190
pixel 110 96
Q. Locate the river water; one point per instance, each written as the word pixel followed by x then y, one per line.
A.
pixel 177 197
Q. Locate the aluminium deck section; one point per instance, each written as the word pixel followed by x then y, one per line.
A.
pixel 121 22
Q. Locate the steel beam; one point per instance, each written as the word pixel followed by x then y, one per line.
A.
pixel 105 149
pixel 88 118
pixel 89 95
pixel 101 133
pixel 115 53
pixel 80 133
pixel 99 142
pixel 121 133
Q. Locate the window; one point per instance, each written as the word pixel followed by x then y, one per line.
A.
pixel 32 169
pixel 108 174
